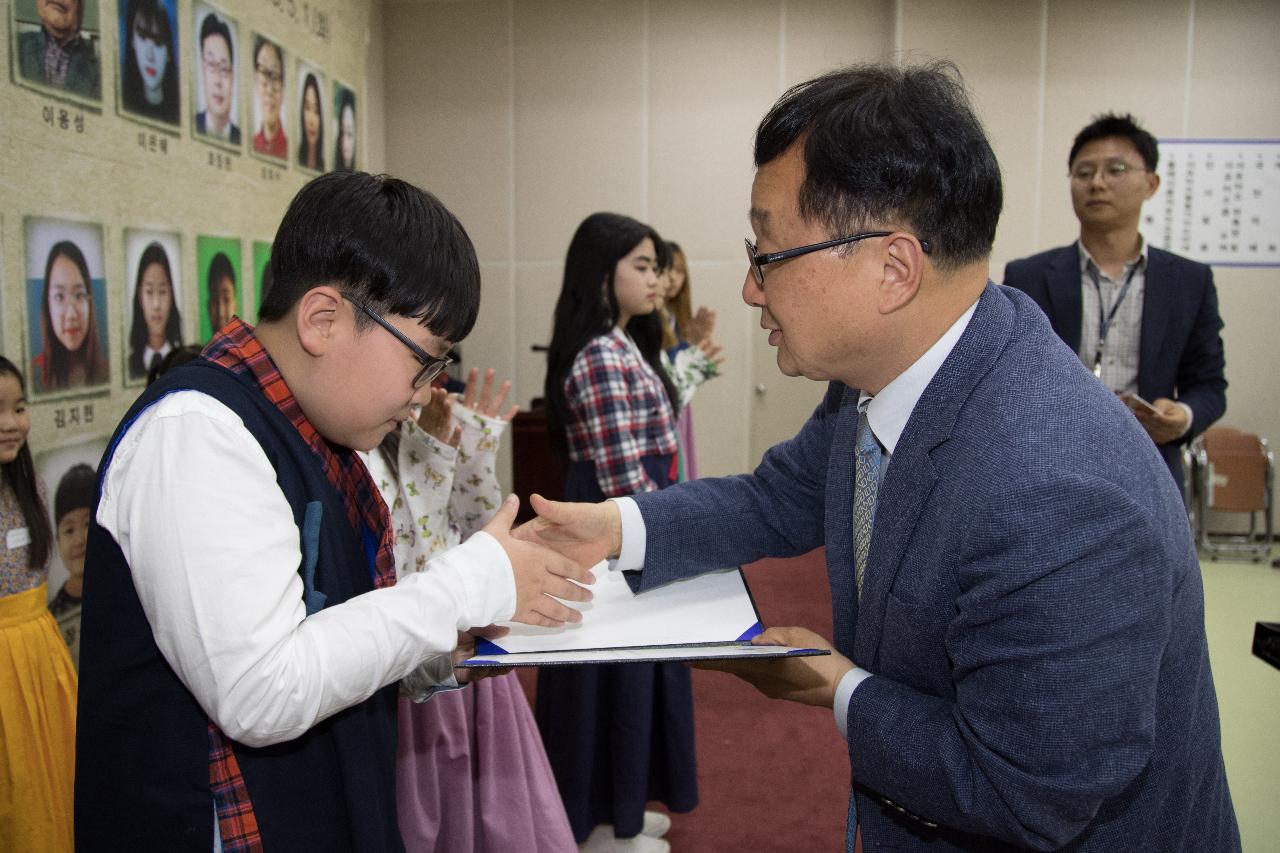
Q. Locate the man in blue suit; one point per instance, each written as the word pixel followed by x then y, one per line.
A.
pixel 1144 320
pixel 1019 659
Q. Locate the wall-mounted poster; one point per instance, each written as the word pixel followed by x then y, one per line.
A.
pixel 344 122
pixel 261 275
pixel 217 97
pixel 67 339
pixel 269 97
pixel 152 314
pixel 149 80
pixel 57 49
pixel 311 105
pixel 218 271
pixel 69 474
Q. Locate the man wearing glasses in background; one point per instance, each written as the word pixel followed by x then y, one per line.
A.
pixel 217 66
pixel 268 75
pixel 1020 658
pixel 240 590
pixel 1145 321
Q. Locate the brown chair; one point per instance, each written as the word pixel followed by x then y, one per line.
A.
pixel 1231 472
pixel 535 466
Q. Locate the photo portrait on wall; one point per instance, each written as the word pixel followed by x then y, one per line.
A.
pixel 216 89
pixel 152 313
pixel 67 338
pixel 311 107
pixel 344 124
pixel 69 474
pixel 261 274
pixel 57 48
pixel 219 283
pixel 149 51
pixel 270 91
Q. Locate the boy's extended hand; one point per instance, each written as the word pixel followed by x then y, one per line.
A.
pixel 584 532
pixel 540 573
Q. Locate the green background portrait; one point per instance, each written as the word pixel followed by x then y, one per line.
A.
pixel 206 248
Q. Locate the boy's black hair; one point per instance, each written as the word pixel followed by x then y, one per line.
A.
pixel 381 241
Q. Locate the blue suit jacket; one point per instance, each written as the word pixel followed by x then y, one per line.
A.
pixel 1180 353
pixel 1032 612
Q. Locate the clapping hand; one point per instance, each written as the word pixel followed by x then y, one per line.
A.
pixel 483 401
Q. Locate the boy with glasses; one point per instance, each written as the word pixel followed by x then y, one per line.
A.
pixel 1144 320
pixel 240 587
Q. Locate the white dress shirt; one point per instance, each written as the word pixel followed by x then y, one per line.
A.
pixel 887 414
pixel 214 552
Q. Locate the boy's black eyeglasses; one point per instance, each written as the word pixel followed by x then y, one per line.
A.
pixel 759 260
pixel 432 365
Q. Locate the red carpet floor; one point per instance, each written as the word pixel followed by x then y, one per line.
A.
pixel 772 776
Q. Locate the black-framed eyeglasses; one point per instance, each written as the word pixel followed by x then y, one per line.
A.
pixel 432 365
pixel 758 260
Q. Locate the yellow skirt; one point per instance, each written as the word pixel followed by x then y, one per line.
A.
pixel 37 727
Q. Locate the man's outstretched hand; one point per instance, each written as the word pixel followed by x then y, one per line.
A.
pixel 541 574
pixel 583 532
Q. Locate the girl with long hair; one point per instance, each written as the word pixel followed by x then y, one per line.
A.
pixel 156 329
pixel 71 355
pixel 344 147
pixel 618 736
pixel 311 140
pixel 37 681
pixel 149 79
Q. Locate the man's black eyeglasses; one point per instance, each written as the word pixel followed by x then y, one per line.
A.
pixel 432 365
pixel 759 260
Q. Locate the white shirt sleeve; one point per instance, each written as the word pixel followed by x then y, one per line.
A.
pixel 214 551
pixel 631 554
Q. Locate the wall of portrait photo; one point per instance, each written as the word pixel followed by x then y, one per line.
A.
pixel 311 109
pixel 152 136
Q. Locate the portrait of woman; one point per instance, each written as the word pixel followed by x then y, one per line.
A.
pixel 149 60
pixel 269 138
pixel 156 327
pixel 65 316
pixel 311 129
pixel 344 148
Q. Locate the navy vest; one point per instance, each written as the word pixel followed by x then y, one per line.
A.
pixel 142 763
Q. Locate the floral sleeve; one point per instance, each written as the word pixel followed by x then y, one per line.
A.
pixel 476 495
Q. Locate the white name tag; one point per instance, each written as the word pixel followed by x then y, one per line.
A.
pixel 18 537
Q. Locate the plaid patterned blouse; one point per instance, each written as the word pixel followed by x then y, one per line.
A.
pixel 619 413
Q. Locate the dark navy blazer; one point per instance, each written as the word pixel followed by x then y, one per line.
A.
pixel 1032 613
pixel 1180 352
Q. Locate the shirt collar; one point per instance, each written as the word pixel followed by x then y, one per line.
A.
pixel 1086 259
pixel 889 410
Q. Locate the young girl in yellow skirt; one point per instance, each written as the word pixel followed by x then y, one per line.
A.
pixel 37 682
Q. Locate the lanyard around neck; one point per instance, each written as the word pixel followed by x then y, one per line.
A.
pixel 1105 317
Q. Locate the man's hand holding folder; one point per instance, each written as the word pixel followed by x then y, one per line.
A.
pixel 807 680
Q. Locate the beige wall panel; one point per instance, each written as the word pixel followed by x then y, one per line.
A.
pixel 579 118
pixel 1144 43
pixel 537 286
pixel 448 111
pixel 373 122
pixel 821 35
pixel 721 410
pixel 996 46
pixel 1235 70
pixel 713 73
pixel 492 344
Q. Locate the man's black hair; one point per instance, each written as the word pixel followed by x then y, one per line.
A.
pixel 886 146
pixel 215 26
pixel 1114 126
pixel 381 241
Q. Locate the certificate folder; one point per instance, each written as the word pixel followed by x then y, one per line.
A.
pixel 708 617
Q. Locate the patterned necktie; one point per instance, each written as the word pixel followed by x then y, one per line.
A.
pixel 866 485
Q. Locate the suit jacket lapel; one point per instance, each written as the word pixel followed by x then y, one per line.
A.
pixel 911 475
pixel 1063 282
pixel 1157 301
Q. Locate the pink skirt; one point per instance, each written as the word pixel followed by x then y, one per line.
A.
pixel 472 775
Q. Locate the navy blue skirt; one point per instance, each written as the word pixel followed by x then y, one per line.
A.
pixel 618 735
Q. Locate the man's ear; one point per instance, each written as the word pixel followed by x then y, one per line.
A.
pixel 320 319
pixel 903 270
pixel 1153 184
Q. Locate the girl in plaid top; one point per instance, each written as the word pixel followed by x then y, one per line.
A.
pixel 617 735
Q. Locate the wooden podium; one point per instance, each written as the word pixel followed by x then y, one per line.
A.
pixel 534 465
